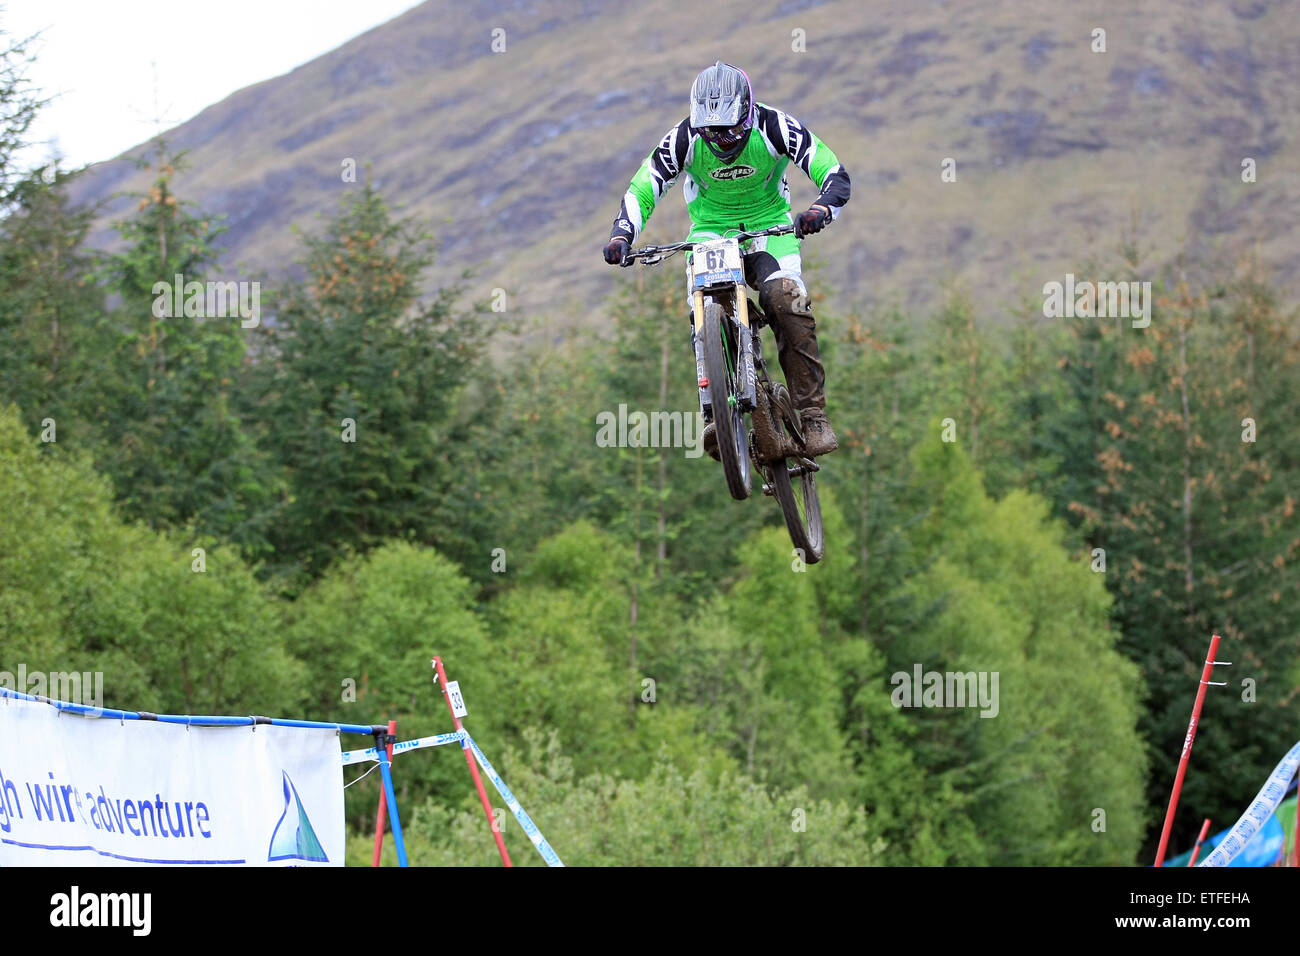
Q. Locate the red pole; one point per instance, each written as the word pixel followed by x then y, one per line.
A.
pixel 1187 751
pixel 473 768
pixel 1295 841
pixel 1205 828
pixel 383 803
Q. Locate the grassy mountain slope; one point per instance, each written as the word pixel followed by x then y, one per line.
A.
pixel 521 156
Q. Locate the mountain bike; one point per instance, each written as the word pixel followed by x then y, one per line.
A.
pixel 734 383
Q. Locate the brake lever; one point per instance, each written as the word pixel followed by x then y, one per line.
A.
pixel 649 259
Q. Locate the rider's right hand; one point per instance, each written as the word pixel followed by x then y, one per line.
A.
pixel 616 251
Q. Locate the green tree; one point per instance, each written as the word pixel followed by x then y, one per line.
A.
pixel 368 630
pixel 358 390
pixel 81 590
pixel 1000 593
pixel 20 104
pixel 171 436
pixel 49 305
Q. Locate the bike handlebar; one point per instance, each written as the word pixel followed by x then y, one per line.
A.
pixel 651 255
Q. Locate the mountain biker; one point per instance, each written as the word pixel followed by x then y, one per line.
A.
pixel 740 178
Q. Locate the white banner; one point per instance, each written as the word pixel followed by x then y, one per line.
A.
pixel 79 791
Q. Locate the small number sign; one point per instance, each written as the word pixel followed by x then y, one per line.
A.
pixel 457 701
pixel 716 256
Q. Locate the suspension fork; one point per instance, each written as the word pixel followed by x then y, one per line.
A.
pixel 697 344
pixel 746 384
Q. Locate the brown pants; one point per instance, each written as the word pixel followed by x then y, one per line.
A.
pixel 790 313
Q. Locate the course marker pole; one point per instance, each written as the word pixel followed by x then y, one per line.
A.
pixel 383 742
pixel 1205 828
pixel 1206 671
pixel 473 767
pixel 383 802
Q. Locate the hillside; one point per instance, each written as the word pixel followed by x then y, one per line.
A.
pixel 520 157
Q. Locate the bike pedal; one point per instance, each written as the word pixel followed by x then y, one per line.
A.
pixel 767 490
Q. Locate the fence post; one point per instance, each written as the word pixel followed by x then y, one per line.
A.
pixel 383 803
pixel 383 744
pixel 473 767
pixel 1205 828
pixel 1206 671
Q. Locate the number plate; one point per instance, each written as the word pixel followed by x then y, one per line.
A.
pixel 457 701
pixel 716 263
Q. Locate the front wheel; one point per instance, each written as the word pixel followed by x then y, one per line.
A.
pixel 793 483
pixel 724 385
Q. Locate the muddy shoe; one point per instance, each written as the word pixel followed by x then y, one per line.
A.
pixel 819 439
pixel 711 441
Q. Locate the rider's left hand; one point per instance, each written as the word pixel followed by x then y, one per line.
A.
pixel 616 251
pixel 814 220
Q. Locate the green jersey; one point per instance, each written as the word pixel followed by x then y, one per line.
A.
pixel 751 189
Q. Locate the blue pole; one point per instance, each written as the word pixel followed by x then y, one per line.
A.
pixel 381 747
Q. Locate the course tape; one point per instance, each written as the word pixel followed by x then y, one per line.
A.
pixel 1257 814
pixel 358 756
pixel 525 821
pixel 467 742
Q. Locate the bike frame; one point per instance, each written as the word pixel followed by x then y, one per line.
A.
pixel 725 286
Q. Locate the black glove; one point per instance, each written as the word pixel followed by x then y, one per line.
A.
pixel 814 220
pixel 616 251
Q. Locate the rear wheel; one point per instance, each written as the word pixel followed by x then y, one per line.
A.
pixel 793 483
pixel 728 419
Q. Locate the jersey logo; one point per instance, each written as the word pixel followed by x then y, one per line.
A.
pixel 733 172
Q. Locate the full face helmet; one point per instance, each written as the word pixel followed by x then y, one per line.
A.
pixel 722 109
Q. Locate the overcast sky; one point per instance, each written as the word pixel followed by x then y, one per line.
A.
pixel 98 58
